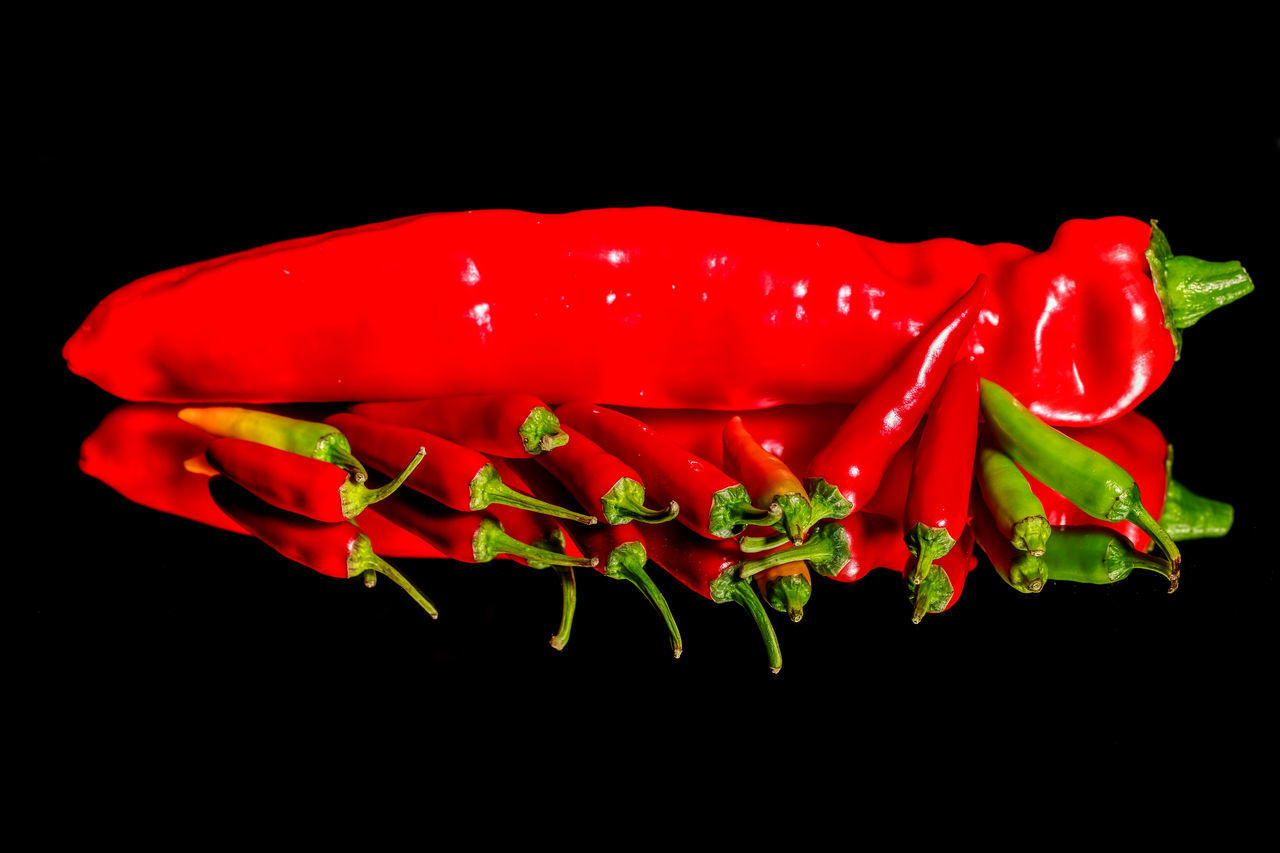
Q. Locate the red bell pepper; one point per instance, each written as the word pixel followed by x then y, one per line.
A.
pixel 1082 332
pixel 508 425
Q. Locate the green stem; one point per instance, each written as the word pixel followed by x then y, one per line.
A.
pixel 333 448
pixel 1190 288
pixel 756 544
pixel 1187 515
pixel 827 551
pixel 356 496
pixel 732 510
pixel 926 544
pixel 541 431
pixel 789 594
pixel 728 588
pixel 931 595
pixel 490 540
pixel 625 503
pixel 1139 516
pixel 569 591
pixel 487 488
pixel 361 559
pixel 626 562
pixel 370 578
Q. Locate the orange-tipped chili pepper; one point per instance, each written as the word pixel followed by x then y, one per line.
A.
pixel 508 425
pixel 856 457
pixel 309 487
pixel 338 549
pixel 938 496
pixel 710 568
pixel 456 476
pixel 306 438
pixel 711 502
pixel 603 484
pixel 619 548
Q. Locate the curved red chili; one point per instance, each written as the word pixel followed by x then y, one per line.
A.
pixel 855 458
pixel 507 425
pixel 456 476
pixel 1082 331
pixel 310 487
pixel 711 502
pixel 338 549
pixel 937 507
pixel 603 484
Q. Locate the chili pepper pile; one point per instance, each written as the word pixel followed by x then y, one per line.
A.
pixel 740 403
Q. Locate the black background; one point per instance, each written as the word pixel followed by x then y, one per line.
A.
pixel 170 616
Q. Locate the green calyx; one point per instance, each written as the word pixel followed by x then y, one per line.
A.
pixel 827 551
pixel 732 510
pixel 926 544
pixel 355 496
pixel 487 488
pixel 931 595
pixel 1187 515
pixel 491 541
pixel 624 503
pixel 729 587
pixel 334 448
pixel 627 562
pixel 1188 287
pixel 361 559
pixel 541 431
pixel 789 594
pixel 825 501
pixel 1031 534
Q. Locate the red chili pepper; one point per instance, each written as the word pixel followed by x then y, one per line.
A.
pixel 710 568
pixel 856 457
pixel 602 483
pixel 937 507
pixel 509 425
pixel 618 548
pixel 338 549
pixel 711 502
pixel 539 303
pixel 309 487
pixel 456 476
pixel 139 450
pixel 875 541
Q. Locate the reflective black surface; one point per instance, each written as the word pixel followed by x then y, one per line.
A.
pixel 125 601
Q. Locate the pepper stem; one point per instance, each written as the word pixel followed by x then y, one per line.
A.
pixel 625 503
pixel 756 544
pixel 827 551
pixel 569 593
pixel 732 510
pixel 362 559
pixel 1187 515
pixel 1138 515
pixel 740 591
pixel 926 544
pixel 626 562
pixel 931 596
pixel 356 496
pixel 490 540
pixel 1188 287
pixel 487 488
pixel 541 431
pixel 332 448
pixel 789 594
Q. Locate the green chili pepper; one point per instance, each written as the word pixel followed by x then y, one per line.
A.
pixel 1083 476
pixel 1022 570
pixel 1091 553
pixel 1016 510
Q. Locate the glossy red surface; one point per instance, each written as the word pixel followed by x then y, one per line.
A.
pixel 641 306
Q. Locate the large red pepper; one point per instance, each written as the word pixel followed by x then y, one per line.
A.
pixel 646 307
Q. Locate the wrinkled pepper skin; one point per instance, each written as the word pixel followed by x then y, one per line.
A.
pixel 644 307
